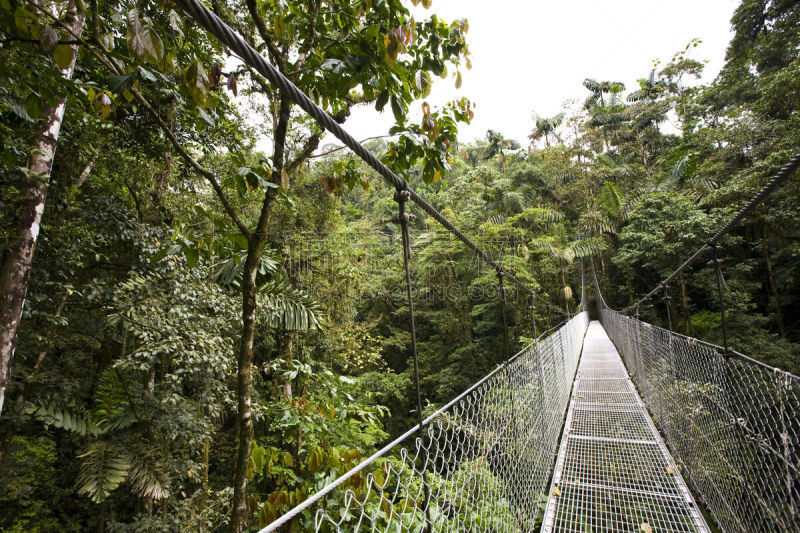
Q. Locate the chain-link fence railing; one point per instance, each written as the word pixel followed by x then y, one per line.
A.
pixel 732 422
pixel 483 464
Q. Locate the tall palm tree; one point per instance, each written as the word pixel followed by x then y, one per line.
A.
pixel 598 89
pixel 650 89
pixel 498 143
pixel 605 112
pixel 546 127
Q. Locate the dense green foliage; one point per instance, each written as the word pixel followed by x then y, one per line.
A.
pixel 121 411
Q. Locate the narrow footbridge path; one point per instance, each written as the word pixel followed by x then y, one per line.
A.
pixel 558 439
pixel 613 470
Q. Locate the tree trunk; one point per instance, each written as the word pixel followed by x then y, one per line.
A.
pixel 101 525
pixel 204 484
pixel 149 390
pixel 299 440
pixel 255 246
pixel 244 421
pixel 16 267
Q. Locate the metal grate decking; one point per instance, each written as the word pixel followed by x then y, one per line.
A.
pixel 613 472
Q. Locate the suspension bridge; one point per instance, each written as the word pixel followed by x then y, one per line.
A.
pixel 596 426
pixel 608 425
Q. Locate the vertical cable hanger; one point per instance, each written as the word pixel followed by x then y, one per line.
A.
pixel 403 218
pixel 720 286
pixel 670 352
pixel 502 289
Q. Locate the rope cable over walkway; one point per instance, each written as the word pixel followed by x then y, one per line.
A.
pixel 228 37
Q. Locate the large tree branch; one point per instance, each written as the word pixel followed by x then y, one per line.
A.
pixel 305 153
pixel 200 169
pixel 277 56
pixel 313 142
pixel 312 33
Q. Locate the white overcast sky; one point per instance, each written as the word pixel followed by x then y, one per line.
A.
pixel 533 55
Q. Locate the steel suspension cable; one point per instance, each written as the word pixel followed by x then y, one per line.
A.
pixel 228 37
pixel 748 208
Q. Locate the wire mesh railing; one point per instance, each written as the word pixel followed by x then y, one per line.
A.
pixel 732 422
pixel 486 457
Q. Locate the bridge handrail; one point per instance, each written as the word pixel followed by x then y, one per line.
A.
pixel 510 377
pixel 730 351
pixel 732 421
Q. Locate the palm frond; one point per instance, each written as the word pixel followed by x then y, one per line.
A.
pixel 70 418
pixel 104 467
pixel 611 199
pixel 679 169
pixel 148 475
pixel 285 307
pixel 513 201
pixel 112 408
pixel 588 247
pixel 596 222
pixel 228 272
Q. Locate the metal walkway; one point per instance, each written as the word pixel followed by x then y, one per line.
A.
pixel 613 472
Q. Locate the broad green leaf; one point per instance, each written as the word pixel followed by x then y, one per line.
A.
pixel 24 20
pixel 153 45
pixel 134 35
pixel 383 98
pixel 62 54
pixel 108 40
pixel 33 106
pixel 143 40
pixel 422 83
pixel 122 82
pixel 175 22
pixel 397 109
pixel 197 83
pixel 208 119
